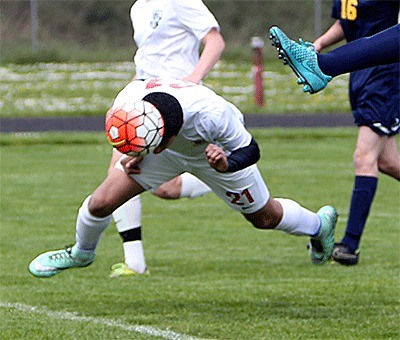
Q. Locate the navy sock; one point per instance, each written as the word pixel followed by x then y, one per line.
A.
pixel 361 201
pixel 382 48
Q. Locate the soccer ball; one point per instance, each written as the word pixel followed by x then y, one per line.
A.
pixel 135 129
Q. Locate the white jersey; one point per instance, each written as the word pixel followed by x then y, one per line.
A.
pixel 207 117
pixel 168 34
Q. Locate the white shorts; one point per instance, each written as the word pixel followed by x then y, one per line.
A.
pixel 243 190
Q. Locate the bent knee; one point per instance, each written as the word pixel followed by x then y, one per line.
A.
pixel 267 217
pixel 364 162
pixel 100 207
pixel 166 194
pixel 169 190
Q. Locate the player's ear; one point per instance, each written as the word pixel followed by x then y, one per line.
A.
pixel 165 144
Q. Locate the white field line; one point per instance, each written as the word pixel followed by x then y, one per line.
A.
pixel 148 330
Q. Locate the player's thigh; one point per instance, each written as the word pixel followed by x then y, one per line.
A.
pixel 369 147
pixel 244 191
pixel 156 169
pixel 115 190
pixel 370 141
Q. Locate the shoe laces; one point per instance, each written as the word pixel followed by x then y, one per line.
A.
pixel 62 254
pixel 307 44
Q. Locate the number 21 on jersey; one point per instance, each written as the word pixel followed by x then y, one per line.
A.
pixel 238 197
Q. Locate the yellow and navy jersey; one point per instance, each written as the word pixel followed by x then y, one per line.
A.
pixel 363 18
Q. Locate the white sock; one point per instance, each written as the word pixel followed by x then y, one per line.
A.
pixel 89 228
pixel 297 220
pixel 193 187
pixel 127 217
pixel 134 256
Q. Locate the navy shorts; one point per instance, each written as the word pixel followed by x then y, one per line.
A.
pixel 375 98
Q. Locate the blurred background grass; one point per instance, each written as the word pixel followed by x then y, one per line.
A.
pixel 95 30
pixel 79 89
pixel 82 54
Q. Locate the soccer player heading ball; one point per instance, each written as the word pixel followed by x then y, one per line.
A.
pixel 203 134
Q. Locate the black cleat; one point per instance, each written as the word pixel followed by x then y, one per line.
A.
pixel 342 254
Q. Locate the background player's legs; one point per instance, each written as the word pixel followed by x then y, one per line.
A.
pixel 128 220
pixel 368 150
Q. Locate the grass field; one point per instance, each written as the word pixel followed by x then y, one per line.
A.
pixel 212 275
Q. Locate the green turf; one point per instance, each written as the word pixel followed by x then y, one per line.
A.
pixel 212 275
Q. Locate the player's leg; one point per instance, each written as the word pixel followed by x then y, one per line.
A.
pixel 389 159
pixel 315 70
pixel 170 190
pixel 185 185
pixel 254 202
pixel 376 110
pixel 379 49
pixel 128 221
pixel 93 218
pixel 289 216
pixel 156 169
pixel 369 146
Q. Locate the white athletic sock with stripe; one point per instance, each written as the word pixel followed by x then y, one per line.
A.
pixel 128 217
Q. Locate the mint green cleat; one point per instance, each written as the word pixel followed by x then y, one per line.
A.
pixel 321 246
pixel 122 269
pixel 302 59
pixel 53 262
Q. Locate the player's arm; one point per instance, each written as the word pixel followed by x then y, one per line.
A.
pixel 332 36
pixel 214 44
pixel 236 160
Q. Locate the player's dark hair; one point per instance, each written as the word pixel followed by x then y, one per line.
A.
pixel 170 110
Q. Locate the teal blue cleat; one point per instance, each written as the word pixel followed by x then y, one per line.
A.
pixel 53 262
pixel 302 59
pixel 321 246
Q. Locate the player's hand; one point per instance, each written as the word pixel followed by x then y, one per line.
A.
pixel 130 164
pixel 216 157
pixel 317 46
